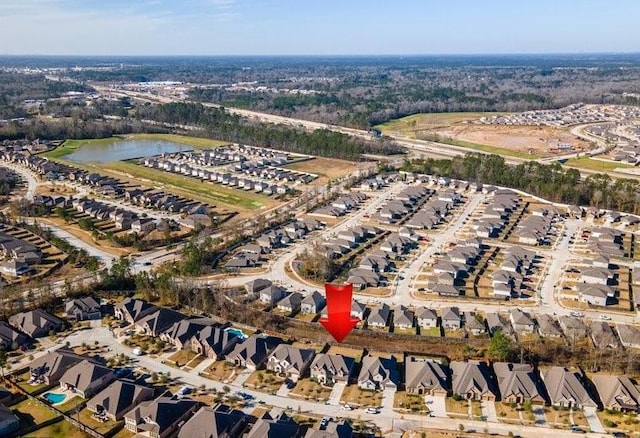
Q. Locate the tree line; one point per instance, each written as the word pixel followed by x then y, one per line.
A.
pixel 550 181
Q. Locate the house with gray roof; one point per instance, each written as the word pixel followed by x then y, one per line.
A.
pixel 602 335
pixel 595 294
pixel 617 393
pixel 272 294
pixel 518 383
pixel 474 323
pixel 312 303
pixel 181 332
pixel 566 388
pixel 333 429
pixel 118 398
pixel 255 286
pixel 496 321
pixel 291 303
pixel 290 361
pixel 160 417
pixel 329 369
pixel 378 373
pixel 572 327
pixel 86 378
pixel 80 309
pixel 49 367
pixel 473 380
pixel 403 318
pixel 214 341
pixel 379 316
pixel 629 335
pixel 427 318
pixel 521 321
pixel 9 422
pixel 131 310
pixel 159 321
pixel 36 323
pixel 358 310
pixel 253 352
pixel 426 377
pixel 275 427
pixel 10 338
pixel 548 326
pixel 450 318
pixel 215 422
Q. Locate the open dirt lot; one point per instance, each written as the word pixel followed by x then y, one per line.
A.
pixel 526 139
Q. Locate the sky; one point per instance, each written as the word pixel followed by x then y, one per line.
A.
pixel 317 27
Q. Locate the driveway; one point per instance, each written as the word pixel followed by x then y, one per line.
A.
pixel 387 400
pixel 437 405
pixel 283 391
pixel 540 417
pixel 336 393
pixel 593 420
pixel 489 411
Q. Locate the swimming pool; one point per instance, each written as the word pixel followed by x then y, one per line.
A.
pixel 54 397
pixel 237 332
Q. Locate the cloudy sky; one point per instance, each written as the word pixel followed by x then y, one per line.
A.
pixel 316 27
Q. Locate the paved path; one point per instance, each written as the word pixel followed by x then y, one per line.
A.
pixel 29 177
pixel 283 391
pixel 437 405
pixel 489 410
pixel 593 420
pixel 336 393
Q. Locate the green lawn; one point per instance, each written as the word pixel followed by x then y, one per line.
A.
pixel 597 165
pixel 431 120
pixel 31 413
pixel 192 187
pixel 86 418
pixel 61 429
pixel 70 404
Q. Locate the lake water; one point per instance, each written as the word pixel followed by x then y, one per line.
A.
pixel 124 150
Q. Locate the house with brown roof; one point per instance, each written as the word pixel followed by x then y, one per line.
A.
pixel 426 377
pixel 214 341
pixel 377 374
pixel 566 388
pixel 131 310
pixel 473 380
pixel 159 321
pixel 518 383
pixel 253 352
pixel 618 393
pixel 329 369
pixel 80 309
pixel 289 361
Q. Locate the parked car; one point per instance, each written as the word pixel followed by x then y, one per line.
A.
pixel 605 317
pixel 372 411
pixel 346 408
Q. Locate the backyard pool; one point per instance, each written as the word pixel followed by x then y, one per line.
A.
pixel 237 332
pixel 54 397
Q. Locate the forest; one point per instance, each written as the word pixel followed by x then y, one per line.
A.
pixel 549 181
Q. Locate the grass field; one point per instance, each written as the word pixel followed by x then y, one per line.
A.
pixel 190 187
pixel 429 121
pixel 61 429
pixel 597 165
pixel 329 167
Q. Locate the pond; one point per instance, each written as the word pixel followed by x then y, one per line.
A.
pixel 124 150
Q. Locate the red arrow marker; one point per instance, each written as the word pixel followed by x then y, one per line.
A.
pixel 338 321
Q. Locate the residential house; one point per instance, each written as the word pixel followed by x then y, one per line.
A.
pixel 329 369
pixel 377 374
pixel 281 427
pixel 131 310
pixel 49 367
pixel 253 352
pixel 629 335
pixel 119 397
pixel 450 318
pixel 291 303
pixel 496 321
pixel 214 341
pixel 333 429
pixel 379 316
pixel 566 388
pixel 474 324
pixel 9 422
pixel 573 327
pixel 358 310
pixel 426 377
pixel 312 303
pixel 160 417
pixel 473 380
pixel 617 393
pixel 427 318
pixel 156 323
pixel 10 338
pixel 403 318
pixel 602 335
pixel 86 378
pixel 80 309
pixel 272 294
pixel 548 326
pixel 521 321
pixel 290 361
pixel 215 422
pixel 595 294
pixel 518 383
pixel 36 323
pixel 181 332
